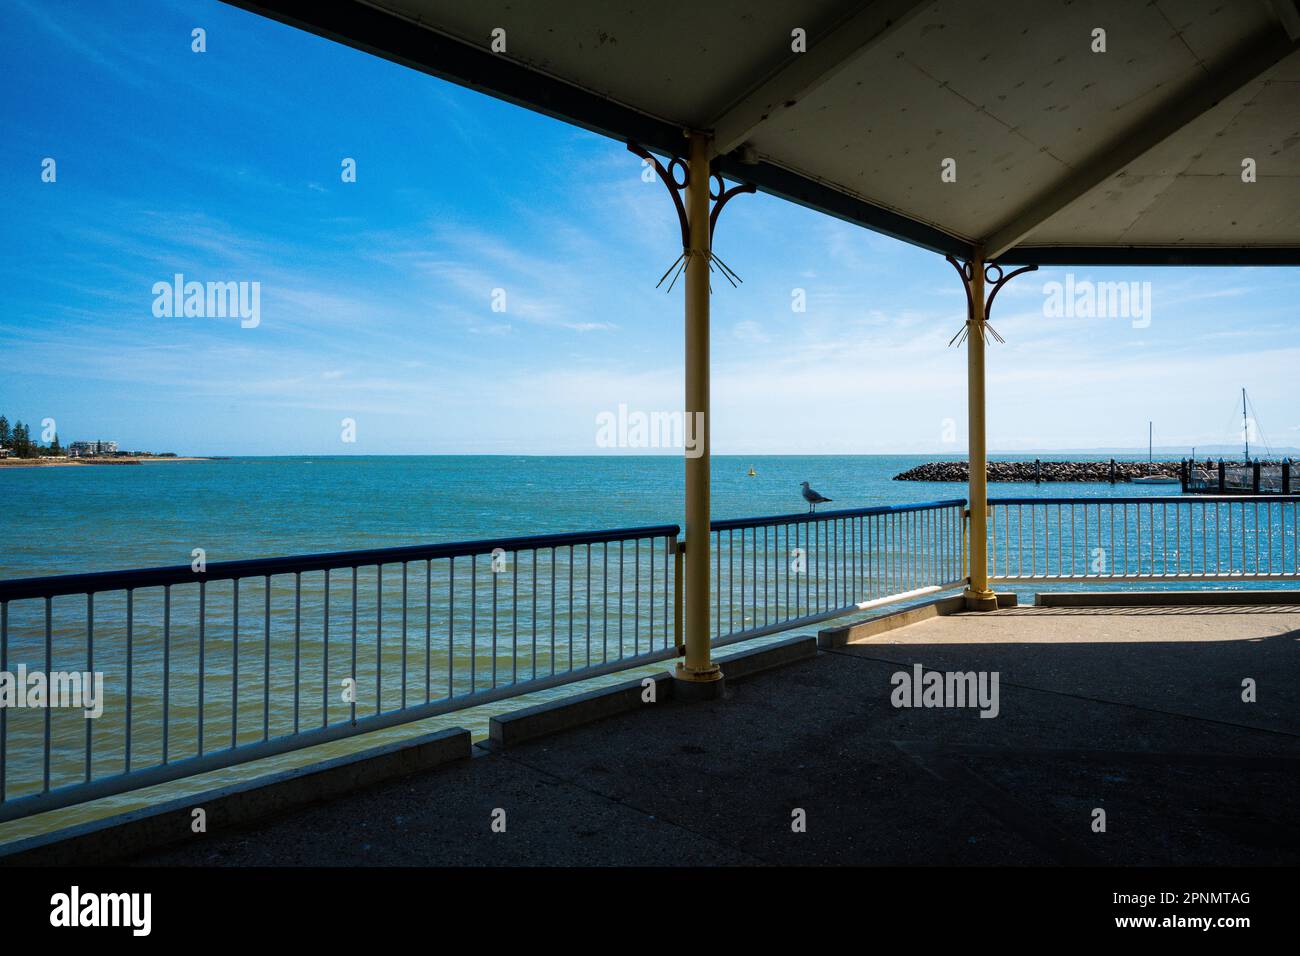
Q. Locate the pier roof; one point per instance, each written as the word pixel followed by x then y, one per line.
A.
pixel 1064 154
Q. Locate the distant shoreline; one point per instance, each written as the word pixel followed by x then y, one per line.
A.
pixel 88 462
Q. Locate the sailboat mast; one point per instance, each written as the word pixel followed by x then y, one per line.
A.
pixel 1245 425
pixel 1149 452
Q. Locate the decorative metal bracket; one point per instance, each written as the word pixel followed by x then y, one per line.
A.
pixel 967 271
pixel 720 197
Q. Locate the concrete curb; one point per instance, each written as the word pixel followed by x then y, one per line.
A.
pixel 1165 598
pixel 530 723
pixel 516 727
pixel 833 637
pixel 235 805
pixel 748 663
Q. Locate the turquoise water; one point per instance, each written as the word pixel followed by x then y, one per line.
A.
pixel 77 519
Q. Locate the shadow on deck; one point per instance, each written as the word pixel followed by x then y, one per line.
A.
pixel 1137 711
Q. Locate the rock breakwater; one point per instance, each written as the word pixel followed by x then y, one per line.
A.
pixel 1079 471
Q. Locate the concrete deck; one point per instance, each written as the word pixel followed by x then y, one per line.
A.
pixel 1134 710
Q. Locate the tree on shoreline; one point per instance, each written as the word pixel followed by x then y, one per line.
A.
pixel 18 439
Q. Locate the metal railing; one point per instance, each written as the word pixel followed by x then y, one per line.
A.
pixel 241 660
pixel 248 659
pixel 1223 538
pixel 771 574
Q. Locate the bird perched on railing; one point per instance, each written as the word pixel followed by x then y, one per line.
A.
pixel 814 498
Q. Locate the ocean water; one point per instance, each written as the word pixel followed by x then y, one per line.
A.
pixel 98 518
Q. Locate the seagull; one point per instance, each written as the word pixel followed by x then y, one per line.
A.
pixel 814 498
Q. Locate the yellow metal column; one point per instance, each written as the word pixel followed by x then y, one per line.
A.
pixel 978 595
pixel 697 670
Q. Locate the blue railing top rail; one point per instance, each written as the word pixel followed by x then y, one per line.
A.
pixel 732 524
pixel 1145 500
pixel 100 581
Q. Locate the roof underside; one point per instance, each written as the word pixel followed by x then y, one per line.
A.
pixel 1062 154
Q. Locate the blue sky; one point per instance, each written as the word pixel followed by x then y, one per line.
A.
pixel 376 296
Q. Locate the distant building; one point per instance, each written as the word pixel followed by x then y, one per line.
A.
pixel 4 452
pixel 79 448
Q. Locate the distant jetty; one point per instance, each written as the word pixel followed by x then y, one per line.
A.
pixel 1077 471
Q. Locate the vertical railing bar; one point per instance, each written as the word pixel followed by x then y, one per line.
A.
pixel 405 599
pixel 130 672
pixel 494 627
pixel 167 668
pixel 451 627
pixel 1164 539
pixel 428 630
pixel 753 577
pixel 766 564
pixel 587 601
pixel 783 570
pixel 1112 557
pixel 1229 504
pixel 731 579
pixel 514 617
pixel 1152 509
pixel 234 668
pixel 90 668
pixel 571 601
pixel 203 599
pixel 352 674
pixel 877 556
pixel 913 549
pixel 1137 535
pixel 636 599
pixel 1217 513
pixel 49 658
pixel 670 544
pixel 604 601
pixel 1205 553
pixel 650 599
pixel 473 623
pixel 620 604
pixel 297 647
pixel 742 580
pixel 716 539
pixel 1178 539
pixel 887 522
pixel 835 526
pixel 379 638
pixel 266 662
pixel 1086 541
pixel 325 657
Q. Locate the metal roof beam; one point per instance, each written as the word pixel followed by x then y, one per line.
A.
pixel 1152 256
pixel 805 72
pixel 1157 126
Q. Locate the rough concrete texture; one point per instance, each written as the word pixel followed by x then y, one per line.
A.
pixel 1134 711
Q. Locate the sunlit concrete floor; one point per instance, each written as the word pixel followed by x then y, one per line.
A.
pixel 1134 711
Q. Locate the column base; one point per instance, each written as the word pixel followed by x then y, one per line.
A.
pixel 980 600
pixel 693 685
